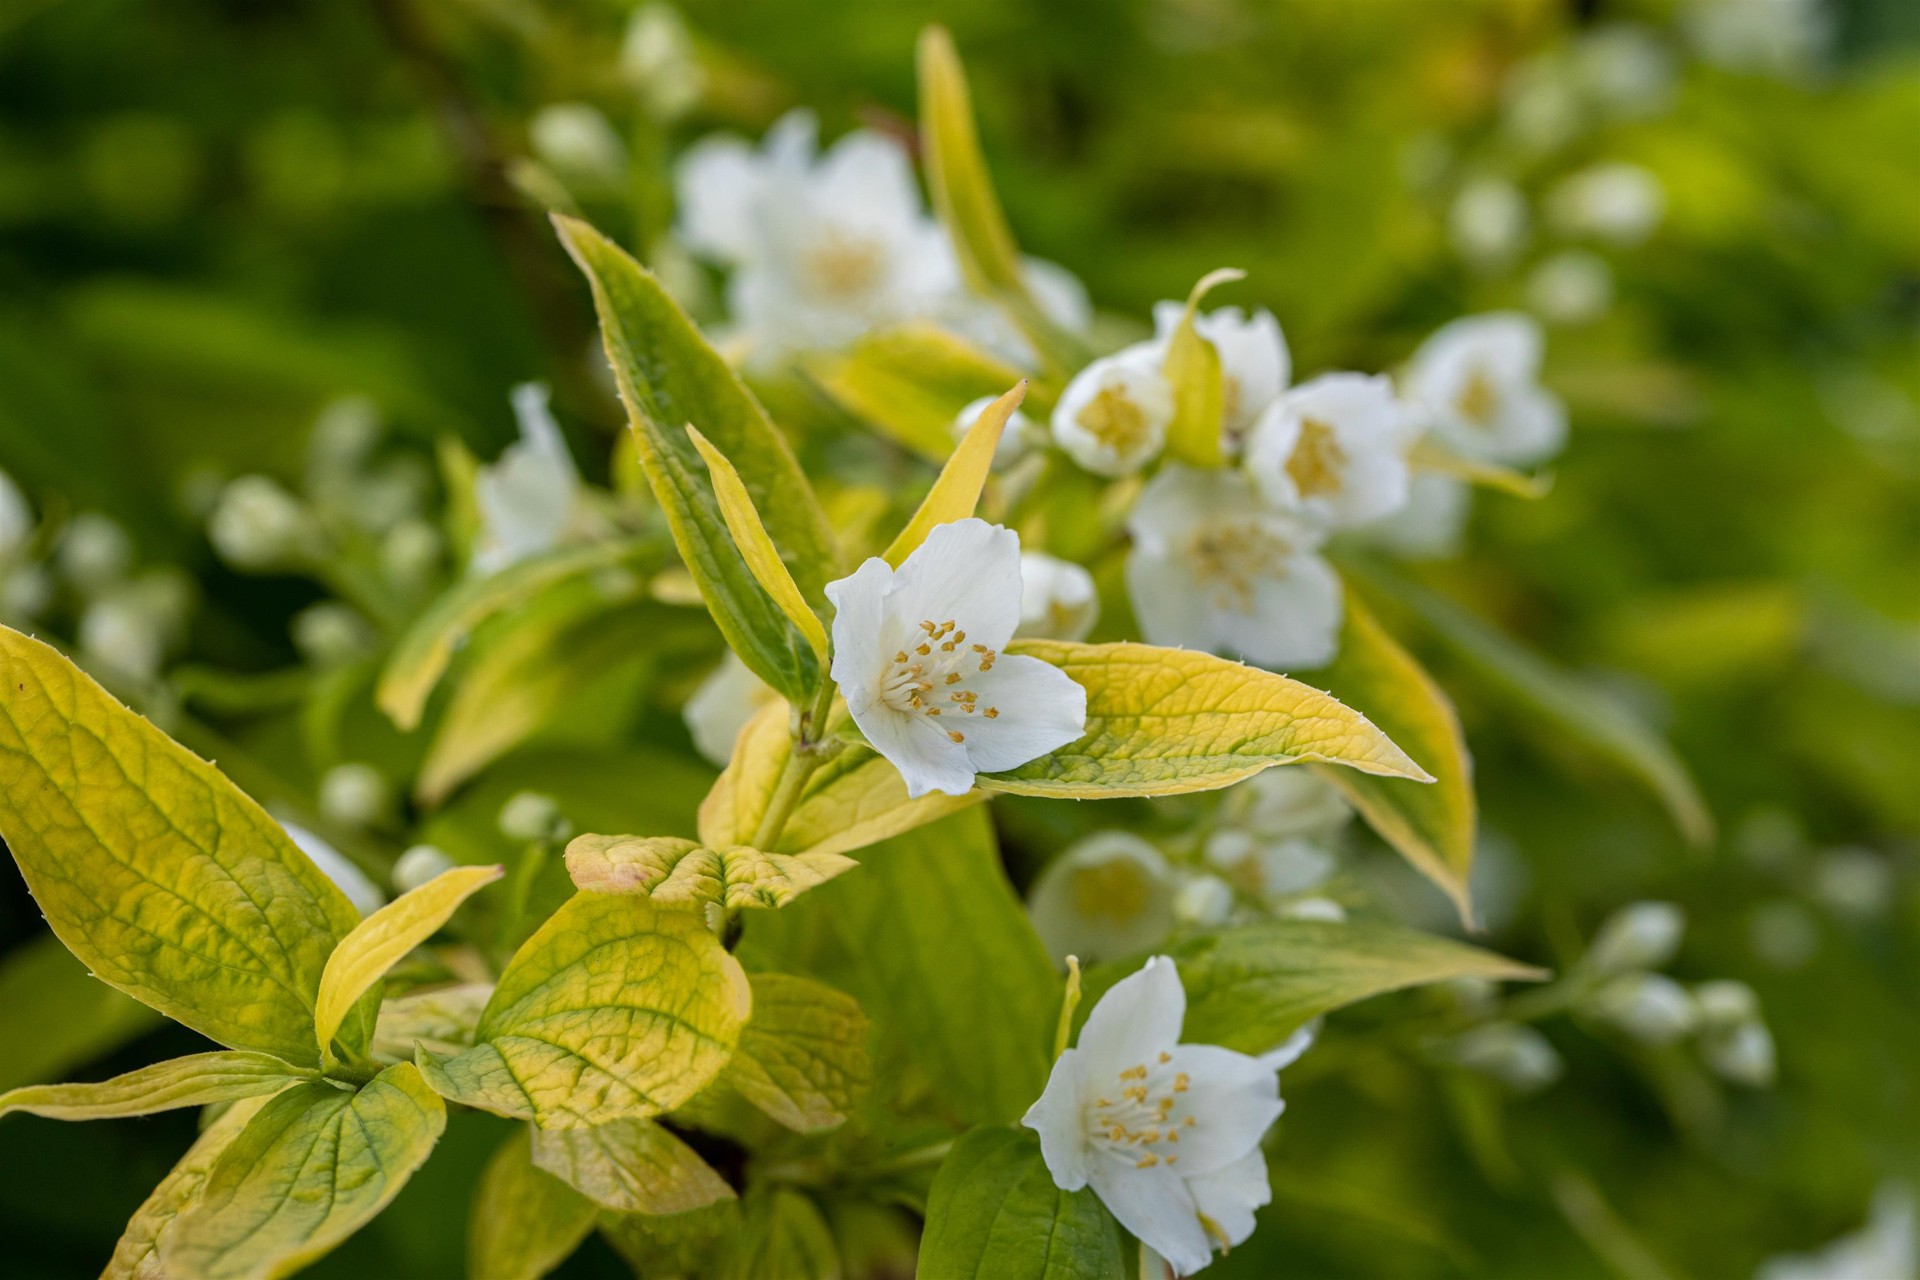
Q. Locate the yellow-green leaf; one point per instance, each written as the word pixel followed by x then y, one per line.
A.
pixel 524 1221
pixel 631 1166
pixel 377 943
pixel 193 1081
pixel 154 869
pixel 136 1256
pixel 910 381
pixel 1166 721
pixel 668 869
pixel 313 1167
pixel 669 376
pixel 1430 455
pixel 956 492
pixel 995 1211
pixel 442 1019
pixel 853 800
pixel 1193 370
pixel 762 557
pixel 783 1235
pixel 613 1008
pixel 803 1057
pixel 1432 826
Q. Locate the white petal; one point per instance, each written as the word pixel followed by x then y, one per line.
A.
pixel 1295 1046
pixel 718 185
pixel 1233 1098
pixel 866 181
pixel 928 760
pixel 1059 1117
pixel 1229 1196
pixel 1172 607
pixel 1059 294
pixel 862 636
pixel 1158 1208
pixel 967 571
pixel 1295 617
pixel 720 708
pixel 1136 1020
pixel 362 892
pixel 1041 709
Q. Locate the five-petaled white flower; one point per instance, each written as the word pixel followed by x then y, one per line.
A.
pixel 1334 449
pixel 1057 598
pixel 527 498
pixel 1112 419
pixel 916 654
pixel 1109 895
pixel 1166 1134
pixel 1254 361
pixel 1477 379
pixel 1214 568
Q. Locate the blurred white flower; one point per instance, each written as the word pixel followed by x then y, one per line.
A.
pixel 1203 901
pixel 658 63
pixel 1615 202
pixel 1167 1134
pixel 1488 222
pixel 1571 287
pixel 258 526
pixel 1650 1007
pixel 1057 293
pixel 25 592
pixel 1213 568
pixel 719 709
pixel 1334 449
pixel 579 145
pixel 1742 1054
pixel 117 631
pixel 1432 525
pixel 1255 364
pixel 527 498
pixel 411 552
pixel 533 815
pixel 355 795
pixel 1725 1003
pixel 331 634
pixel 1779 37
pixel 1021 436
pixel 1640 935
pixel 1626 69
pixel 1288 801
pixel 93 553
pixel 1057 598
pixel 351 880
pixel 1107 896
pixel 1541 105
pixel 16 518
pixel 1112 419
pixel 1477 379
pixel 1270 869
pixel 1324 909
pixel 916 654
pixel 1887 1248
pixel 1854 882
pixel 1516 1055
pixel 418 865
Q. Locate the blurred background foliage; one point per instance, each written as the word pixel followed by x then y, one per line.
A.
pixel 217 216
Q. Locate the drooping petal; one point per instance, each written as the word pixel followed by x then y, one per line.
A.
pixel 718 186
pixel 1137 1020
pixel 1040 709
pixel 1232 1097
pixel 1059 1117
pixel 1157 1206
pixel 865 180
pixel 861 633
pixel 1229 1196
pixel 1294 618
pixel 928 760
pixel 967 571
pixel 1290 1050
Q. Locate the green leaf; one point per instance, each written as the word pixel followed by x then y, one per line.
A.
pixel 613 1008
pixel 631 1166
pixel 785 1236
pixel 524 1221
pixel 683 872
pixel 193 1081
pixel 1430 455
pixel 136 1256
pixel 1432 826
pixel 1249 988
pixel 55 1016
pixel 1570 707
pixel 932 914
pixel 442 1019
pixel 313 1167
pixel 956 492
pixel 161 875
pixel 383 938
pixel 995 1214
pixel 1199 394
pixel 670 377
pixel 422 655
pixel 1166 721
pixel 681 1244
pixel 910 382
pixel 803 1057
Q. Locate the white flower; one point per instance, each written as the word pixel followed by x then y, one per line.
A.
pixel 1571 287
pixel 1640 935
pixel 25 592
pixel 1777 36
pixel 1626 68
pixel 1112 419
pixel 1514 1054
pixel 579 145
pixel 719 709
pixel 1285 802
pixel 354 795
pixel 130 626
pixel 526 498
pixel 1854 881
pixel 351 880
pixel 1018 438
pixel 1432 524
pixel 1255 364
pixel 1204 901
pixel 1109 895
pixel 916 655
pixel 1488 222
pixel 1056 292
pixel 418 865
pixel 1057 598
pixel 1618 203
pixel 1166 1134
pixel 1334 449
pixel 532 815
pixel 1742 1055
pixel 1270 869
pixel 259 526
pixel 16 517
pixel 1725 1003
pixel 1478 380
pixel 1312 909
pixel 1214 568
pixel 824 247
pixel 1650 1007
pixel 658 63
pixel 330 634
pixel 94 552
pixel 1887 1248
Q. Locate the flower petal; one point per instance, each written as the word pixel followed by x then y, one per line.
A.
pixel 1136 1020
pixel 1059 1117
pixel 928 760
pixel 861 635
pixel 967 571
pixel 1229 1196
pixel 1233 1099
pixel 1158 1208
pixel 1041 709
pixel 1295 618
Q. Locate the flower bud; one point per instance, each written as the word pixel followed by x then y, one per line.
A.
pixel 1854 882
pixel 16 517
pixel 94 552
pixel 1743 1054
pixel 331 634
pixel 25 592
pixel 1571 288
pixel 1312 909
pixel 657 60
pixel 1783 933
pixel 1650 1007
pixel 411 553
pixel 1516 1055
pixel 258 526
pixel 1057 598
pixel 1618 203
pixel 418 865
pixel 1488 222
pixel 578 144
pixel 1641 935
pixel 355 795
pixel 117 632
pixel 533 815
pixel 1725 1004
pixel 1203 900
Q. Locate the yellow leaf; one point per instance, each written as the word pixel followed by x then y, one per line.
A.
pixel 957 490
pixel 803 1057
pixel 378 942
pixel 613 1008
pixel 1167 721
pixel 1193 370
pixel 154 869
pixel 756 547
pixel 1430 455
pixel 524 1221
pixel 193 1081
pixel 632 1166
pixel 908 382
pixel 962 189
pixel 668 869
pixel 135 1257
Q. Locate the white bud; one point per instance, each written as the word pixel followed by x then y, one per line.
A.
pixel 1021 436
pixel 719 709
pixel 94 552
pixel 578 144
pixel 1726 1003
pixel 344 435
pixel 1853 881
pixel 1516 1055
pixel 1743 1055
pixel 355 795
pixel 1284 802
pixel 418 865
pixel 1057 598
pixel 657 60
pixel 1312 909
pixel 16 517
pixel 259 526
pixel 1204 901
pixel 351 880
pixel 330 634
pixel 532 815
pixel 119 633
pixel 1107 896
pixel 411 553
pixel 1650 1007
pixel 1641 935
pixel 25 592
pixel 1571 287
pixel 1618 203
pixel 1488 222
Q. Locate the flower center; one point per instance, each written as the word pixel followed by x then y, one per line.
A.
pixel 844 267
pixel 931 678
pixel 1317 460
pixel 1478 400
pixel 1141 1120
pixel 1113 419
pixel 1113 890
pixel 1229 560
